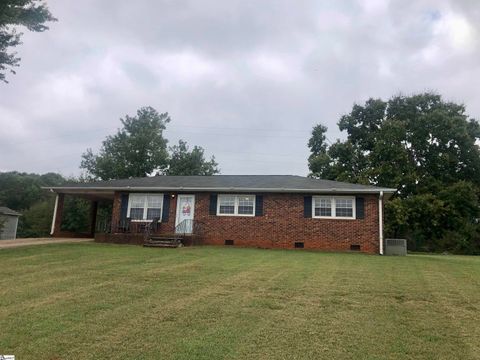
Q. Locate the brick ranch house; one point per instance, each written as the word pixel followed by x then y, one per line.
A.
pixel 267 211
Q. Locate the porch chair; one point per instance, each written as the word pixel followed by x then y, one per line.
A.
pixel 124 225
pixel 151 227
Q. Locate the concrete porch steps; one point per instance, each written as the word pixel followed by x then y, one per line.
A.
pixel 164 241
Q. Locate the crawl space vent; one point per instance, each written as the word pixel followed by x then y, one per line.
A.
pixel 299 245
pixel 228 242
pixel 355 247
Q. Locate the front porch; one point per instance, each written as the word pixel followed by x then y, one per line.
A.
pixel 116 227
pixel 150 234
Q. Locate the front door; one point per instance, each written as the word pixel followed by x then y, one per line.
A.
pixel 185 211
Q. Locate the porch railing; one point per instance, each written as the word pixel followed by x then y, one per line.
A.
pixel 190 227
pixel 191 231
pixel 103 226
pixel 185 227
pixel 127 226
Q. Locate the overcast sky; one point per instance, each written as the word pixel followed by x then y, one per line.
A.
pixel 246 80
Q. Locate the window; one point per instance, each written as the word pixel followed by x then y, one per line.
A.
pixel 333 207
pixel 344 207
pixel 145 207
pixel 226 204
pixel 323 207
pixel 246 205
pixel 236 205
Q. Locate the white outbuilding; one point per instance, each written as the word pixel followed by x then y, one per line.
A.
pixel 8 223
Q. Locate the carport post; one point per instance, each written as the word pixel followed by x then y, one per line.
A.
pixel 380 221
pixel 57 215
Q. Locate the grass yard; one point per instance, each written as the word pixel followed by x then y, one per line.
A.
pixel 99 301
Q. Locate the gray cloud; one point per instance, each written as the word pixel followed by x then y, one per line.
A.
pixel 245 79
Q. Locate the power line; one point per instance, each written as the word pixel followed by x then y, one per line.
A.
pixel 88 131
pixel 62 156
pixel 243 128
pixel 237 134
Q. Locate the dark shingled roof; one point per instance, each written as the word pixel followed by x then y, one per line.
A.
pixel 271 183
pixel 6 211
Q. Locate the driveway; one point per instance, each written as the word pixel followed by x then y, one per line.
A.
pixel 4 244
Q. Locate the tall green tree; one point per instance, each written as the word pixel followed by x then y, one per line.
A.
pixel 37 219
pixel 31 14
pixel 137 149
pixel 184 161
pixel 424 147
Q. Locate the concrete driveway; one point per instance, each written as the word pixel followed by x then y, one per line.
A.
pixel 4 244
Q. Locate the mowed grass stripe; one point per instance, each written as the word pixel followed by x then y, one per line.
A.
pixel 73 300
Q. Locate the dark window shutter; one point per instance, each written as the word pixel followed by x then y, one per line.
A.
pixel 259 205
pixel 307 206
pixel 123 206
pixel 360 207
pixel 166 207
pixel 213 204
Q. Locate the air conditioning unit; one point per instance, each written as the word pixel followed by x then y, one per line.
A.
pixel 396 247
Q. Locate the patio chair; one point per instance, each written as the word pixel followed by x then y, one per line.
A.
pixel 124 225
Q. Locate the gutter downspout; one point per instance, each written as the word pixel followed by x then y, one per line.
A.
pixel 54 216
pixel 380 221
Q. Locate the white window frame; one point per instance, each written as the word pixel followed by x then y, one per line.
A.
pixel 145 205
pixel 334 207
pixel 236 204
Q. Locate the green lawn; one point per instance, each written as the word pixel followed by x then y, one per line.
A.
pixel 99 301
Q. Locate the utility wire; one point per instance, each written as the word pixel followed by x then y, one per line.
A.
pixel 236 129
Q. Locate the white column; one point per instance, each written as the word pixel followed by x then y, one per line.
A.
pixel 380 221
pixel 52 229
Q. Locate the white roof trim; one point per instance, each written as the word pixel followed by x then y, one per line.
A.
pixel 221 189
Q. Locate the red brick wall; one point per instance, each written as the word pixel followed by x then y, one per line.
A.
pixel 117 204
pixel 282 225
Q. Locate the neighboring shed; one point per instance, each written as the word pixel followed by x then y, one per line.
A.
pixel 8 223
